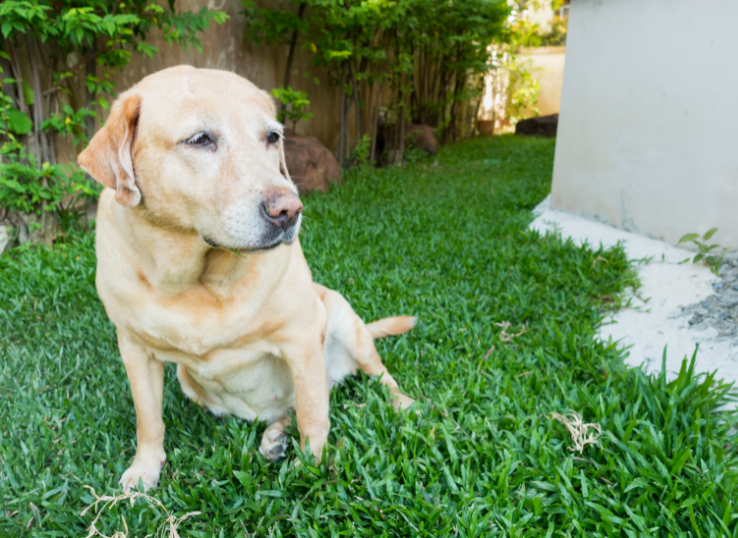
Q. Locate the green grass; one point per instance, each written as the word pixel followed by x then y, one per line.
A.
pixel 483 456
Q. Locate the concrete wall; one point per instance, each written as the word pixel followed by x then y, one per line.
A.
pixel 224 47
pixel 547 64
pixel 541 16
pixel 646 137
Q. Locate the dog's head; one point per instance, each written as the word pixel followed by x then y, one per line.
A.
pixel 199 150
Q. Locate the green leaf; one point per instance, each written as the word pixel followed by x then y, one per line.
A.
pixel 18 122
pixel 698 258
pixel 245 478
pixel 639 482
pixel 709 233
pixel 688 237
pixel 679 461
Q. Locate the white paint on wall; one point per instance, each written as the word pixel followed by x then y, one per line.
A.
pixel 646 136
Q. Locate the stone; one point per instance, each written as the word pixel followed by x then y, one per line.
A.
pixel 311 166
pixel 423 138
pixel 5 237
pixel 539 126
pixel 486 127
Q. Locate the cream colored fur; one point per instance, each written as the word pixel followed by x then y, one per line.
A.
pixel 250 332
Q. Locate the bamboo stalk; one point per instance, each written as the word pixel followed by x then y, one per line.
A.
pixel 339 149
pixel 401 120
pixel 372 153
pixel 357 126
pixel 38 113
pixel 18 76
pixel 291 55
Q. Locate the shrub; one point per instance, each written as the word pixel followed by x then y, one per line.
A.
pixel 428 55
pixel 48 48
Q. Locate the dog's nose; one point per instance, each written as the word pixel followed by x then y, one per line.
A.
pixel 281 207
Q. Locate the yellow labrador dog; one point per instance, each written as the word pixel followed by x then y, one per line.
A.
pixel 199 264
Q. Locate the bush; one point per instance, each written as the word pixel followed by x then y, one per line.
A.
pixel 428 55
pixel 60 43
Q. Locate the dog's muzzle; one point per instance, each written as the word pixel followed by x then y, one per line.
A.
pixel 280 212
pixel 281 208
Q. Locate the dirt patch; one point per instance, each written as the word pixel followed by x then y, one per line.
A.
pixel 720 310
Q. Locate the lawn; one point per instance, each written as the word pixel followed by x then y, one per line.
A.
pixel 483 455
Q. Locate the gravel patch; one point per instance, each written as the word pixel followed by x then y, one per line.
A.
pixel 720 310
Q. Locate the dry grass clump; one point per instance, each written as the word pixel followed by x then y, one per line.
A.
pixel 579 430
pixel 168 527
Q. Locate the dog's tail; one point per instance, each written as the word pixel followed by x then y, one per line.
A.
pixel 391 326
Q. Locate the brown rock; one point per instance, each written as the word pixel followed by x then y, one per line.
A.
pixel 540 126
pixel 423 138
pixel 310 164
pixel 486 127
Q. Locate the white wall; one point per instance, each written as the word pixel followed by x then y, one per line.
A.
pixel 541 16
pixel 648 131
pixel 547 66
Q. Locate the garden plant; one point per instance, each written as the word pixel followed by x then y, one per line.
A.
pixel 526 424
pixel 429 56
pixel 55 62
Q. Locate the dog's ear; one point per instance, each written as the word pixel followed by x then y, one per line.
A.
pixel 283 160
pixel 109 156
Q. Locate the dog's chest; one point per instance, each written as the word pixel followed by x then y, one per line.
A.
pixel 248 381
pixel 229 346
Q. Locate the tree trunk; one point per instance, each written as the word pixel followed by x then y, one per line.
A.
pixel 90 70
pixel 342 111
pixel 291 55
pixel 372 153
pixel 346 133
pixel 18 76
pixel 401 120
pixel 38 113
pixel 48 224
pixel 357 108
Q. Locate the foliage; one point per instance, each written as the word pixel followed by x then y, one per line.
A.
pixel 516 86
pixel 296 101
pixel 360 156
pixel 60 43
pixel 428 55
pixel 556 35
pixel 483 455
pixel 705 249
pixel 524 33
pixel 23 187
pixel 527 34
pixel 272 27
pixel 523 90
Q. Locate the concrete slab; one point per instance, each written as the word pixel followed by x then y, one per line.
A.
pixel 656 318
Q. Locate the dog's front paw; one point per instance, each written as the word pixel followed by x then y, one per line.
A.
pixel 147 470
pixel 399 401
pixel 273 447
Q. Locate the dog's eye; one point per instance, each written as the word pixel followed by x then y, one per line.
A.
pixel 200 140
pixel 273 137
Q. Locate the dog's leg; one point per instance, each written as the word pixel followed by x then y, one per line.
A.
pixel 307 364
pixel 146 377
pixel 350 342
pixel 274 442
pixel 361 345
